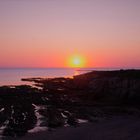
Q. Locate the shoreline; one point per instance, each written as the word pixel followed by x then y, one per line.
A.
pixel 55 102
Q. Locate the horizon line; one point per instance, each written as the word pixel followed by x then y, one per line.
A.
pixel 69 67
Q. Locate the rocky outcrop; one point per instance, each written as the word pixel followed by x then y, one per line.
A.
pixel 112 86
pixel 65 101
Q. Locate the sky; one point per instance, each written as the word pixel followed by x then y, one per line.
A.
pixel 47 33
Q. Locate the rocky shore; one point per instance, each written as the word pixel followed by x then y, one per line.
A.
pixel 55 102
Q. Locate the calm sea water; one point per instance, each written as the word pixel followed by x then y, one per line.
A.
pixel 12 76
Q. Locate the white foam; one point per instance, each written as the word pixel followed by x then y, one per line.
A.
pixel 37 129
pixel 82 121
pixel 2 110
pixel 39 117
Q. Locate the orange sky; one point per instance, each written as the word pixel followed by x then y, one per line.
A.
pixel 47 33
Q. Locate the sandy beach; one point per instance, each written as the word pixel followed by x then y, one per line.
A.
pixel 116 128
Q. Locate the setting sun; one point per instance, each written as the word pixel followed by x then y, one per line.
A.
pixel 76 61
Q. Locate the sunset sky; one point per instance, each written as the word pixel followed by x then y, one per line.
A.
pixel 48 33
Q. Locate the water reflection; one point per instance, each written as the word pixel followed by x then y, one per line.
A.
pixel 76 72
pixel 13 76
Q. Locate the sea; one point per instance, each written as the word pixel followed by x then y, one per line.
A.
pixel 13 76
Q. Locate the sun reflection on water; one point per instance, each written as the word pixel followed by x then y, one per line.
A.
pixel 76 72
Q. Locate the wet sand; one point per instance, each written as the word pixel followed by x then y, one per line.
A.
pixel 116 128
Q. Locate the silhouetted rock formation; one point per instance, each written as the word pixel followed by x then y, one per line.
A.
pixel 111 86
pixel 65 101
